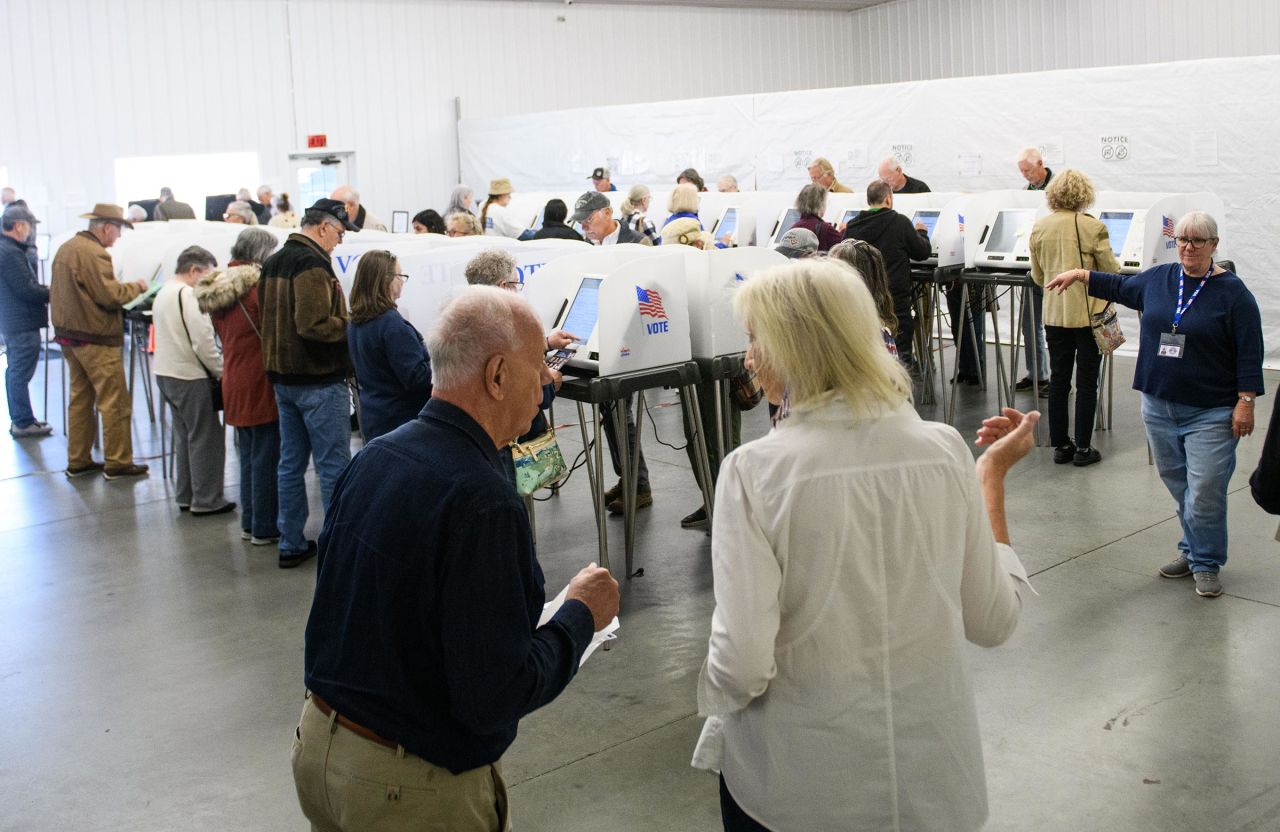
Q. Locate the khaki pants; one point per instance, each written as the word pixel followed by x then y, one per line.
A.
pixel 97 377
pixel 347 783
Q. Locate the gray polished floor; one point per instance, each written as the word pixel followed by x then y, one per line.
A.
pixel 150 662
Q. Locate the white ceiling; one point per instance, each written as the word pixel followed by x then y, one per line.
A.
pixel 822 5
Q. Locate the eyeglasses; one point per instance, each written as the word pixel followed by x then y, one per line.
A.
pixel 512 285
pixel 1194 242
pixel 455 233
pixel 403 277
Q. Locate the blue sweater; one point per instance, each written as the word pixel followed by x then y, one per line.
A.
pixel 1223 353
pixel 428 593
pixel 393 369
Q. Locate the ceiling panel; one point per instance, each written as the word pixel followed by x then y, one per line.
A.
pixel 821 5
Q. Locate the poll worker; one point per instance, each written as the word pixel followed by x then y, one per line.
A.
pixel 811 203
pixel 304 346
pixel 821 172
pixel 594 213
pixel 393 369
pixel 890 172
pixel 428 222
pixel 852 559
pixel 1031 166
pixel 187 358
pixel 461 201
pixel 86 304
pixel 1066 239
pixel 553 224
pixel 496 218
pixel 728 184
pixel 634 209
pixel 898 243
pixel 169 208
pixel 230 298
pixel 602 180
pixel 1200 373
pixel 358 215
pixel 240 212
pixel 24 311
pixel 422 653
pixel 462 224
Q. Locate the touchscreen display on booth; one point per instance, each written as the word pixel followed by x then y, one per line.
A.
pixel 929 219
pixel 1117 223
pixel 788 219
pixel 585 309
pixel 728 224
pixel 1009 226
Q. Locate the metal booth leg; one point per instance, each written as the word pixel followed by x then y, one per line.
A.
pixel 619 414
pixel 595 477
pixel 694 414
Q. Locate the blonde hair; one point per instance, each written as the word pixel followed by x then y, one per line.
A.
pixel 1070 190
pixel 684 199
pixel 635 196
pixel 685 231
pixel 816 328
pixel 469 223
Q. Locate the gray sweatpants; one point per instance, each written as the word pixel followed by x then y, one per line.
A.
pixel 199 442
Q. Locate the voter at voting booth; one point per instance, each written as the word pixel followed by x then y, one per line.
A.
pixel 496 217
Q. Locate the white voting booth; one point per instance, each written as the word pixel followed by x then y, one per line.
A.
pixel 924 209
pixel 1141 225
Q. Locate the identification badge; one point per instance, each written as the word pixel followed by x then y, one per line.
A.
pixel 1172 345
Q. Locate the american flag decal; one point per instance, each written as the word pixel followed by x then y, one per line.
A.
pixel 1166 226
pixel 650 303
pixel 961 218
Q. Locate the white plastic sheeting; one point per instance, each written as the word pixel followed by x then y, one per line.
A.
pixel 1206 125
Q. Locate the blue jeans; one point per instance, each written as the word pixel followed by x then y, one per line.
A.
pixel 1195 453
pixel 1033 335
pixel 24 354
pixel 315 422
pixel 259 448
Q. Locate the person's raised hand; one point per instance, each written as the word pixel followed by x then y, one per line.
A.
pixel 596 588
pixel 560 339
pixel 142 285
pixel 1010 436
pixel 1060 283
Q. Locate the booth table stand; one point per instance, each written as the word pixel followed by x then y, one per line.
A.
pixel 139 323
pixel 721 369
pixel 619 390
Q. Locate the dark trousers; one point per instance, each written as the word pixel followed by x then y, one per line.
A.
pixel 259 449
pixel 606 416
pixel 1070 348
pixel 707 391
pixel 905 309
pixel 732 816
pixel 973 357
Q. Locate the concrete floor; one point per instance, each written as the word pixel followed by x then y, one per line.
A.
pixel 150 663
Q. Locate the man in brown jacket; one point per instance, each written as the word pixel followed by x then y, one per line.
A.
pixel 85 302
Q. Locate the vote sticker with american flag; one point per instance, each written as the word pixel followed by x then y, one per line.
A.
pixel 651 303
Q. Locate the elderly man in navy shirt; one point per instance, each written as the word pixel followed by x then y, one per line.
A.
pixel 422 648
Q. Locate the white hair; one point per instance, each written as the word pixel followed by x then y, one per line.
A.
pixel 345 193
pixel 241 209
pixel 727 181
pixel 891 162
pixel 472 328
pixel 1197 222
pixel 137 213
pixel 1030 154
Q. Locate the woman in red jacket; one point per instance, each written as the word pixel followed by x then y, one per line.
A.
pixel 811 202
pixel 231 299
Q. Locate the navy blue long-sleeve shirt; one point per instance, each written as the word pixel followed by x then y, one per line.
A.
pixel 393 370
pixel 1223 353
pixel 428 593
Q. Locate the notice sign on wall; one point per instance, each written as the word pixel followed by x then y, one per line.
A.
pixel 1115 148
pixel 904 153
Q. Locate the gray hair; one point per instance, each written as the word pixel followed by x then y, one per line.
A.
pixel 1030 154
pixel 345 193
pixel 812 199
pixel 242 209
pixel 314 216
pixel 1197 222
pixel 635 196
pixel 727 181
pixel 471 329
pixel 458 200
pixel 491 267
pixel 263 189
pixel 194 257
pixel 166 193
pixel 254 245
pixel 137 213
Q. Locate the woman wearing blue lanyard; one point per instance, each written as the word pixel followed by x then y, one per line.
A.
pixel 1199 371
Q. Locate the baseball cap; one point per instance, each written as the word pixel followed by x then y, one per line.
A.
pixel 19 213
pixel 335 209
pixel 588 204
pixel 600 173
pixel 797 243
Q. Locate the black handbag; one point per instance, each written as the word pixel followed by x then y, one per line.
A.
pixel 215 383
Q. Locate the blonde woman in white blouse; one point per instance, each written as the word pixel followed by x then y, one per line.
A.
pixel 855 550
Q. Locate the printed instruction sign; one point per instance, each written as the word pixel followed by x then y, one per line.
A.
pixel 1115 147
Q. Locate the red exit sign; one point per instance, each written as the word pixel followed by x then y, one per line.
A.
pixel 317 140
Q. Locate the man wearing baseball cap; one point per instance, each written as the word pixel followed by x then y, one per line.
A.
pixel 304 348
pixel 602 179
pixel 24 310
pixel 86 302
pixel 594 213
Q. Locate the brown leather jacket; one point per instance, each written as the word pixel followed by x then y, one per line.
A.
pixel 85 299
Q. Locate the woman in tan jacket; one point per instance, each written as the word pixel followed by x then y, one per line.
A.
pixel 1070 239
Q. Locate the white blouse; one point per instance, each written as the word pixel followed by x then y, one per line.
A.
pixel 501 221
pixel 853 560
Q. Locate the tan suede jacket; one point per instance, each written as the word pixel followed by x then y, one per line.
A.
pixel 1056 248
pixel 85 299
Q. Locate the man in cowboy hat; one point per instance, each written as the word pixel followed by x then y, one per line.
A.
pixel 85 302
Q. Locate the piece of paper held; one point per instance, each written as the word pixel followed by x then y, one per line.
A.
pixel 609 633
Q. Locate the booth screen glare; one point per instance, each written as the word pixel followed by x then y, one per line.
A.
pixel 585 309
pixel 789 219
pixel 728 223
pixel 1117 223
pixel 1009 224
pixel 929 219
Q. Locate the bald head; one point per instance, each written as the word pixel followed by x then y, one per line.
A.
pixel 890 173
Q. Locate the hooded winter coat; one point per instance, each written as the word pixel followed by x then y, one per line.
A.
pixel 230 299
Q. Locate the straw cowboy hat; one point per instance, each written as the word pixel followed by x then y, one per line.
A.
pixel 498 187
pixel 111 213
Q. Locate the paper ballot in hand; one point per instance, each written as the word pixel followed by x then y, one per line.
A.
pixel 607 634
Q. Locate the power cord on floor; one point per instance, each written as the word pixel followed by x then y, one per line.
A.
pixel 658 436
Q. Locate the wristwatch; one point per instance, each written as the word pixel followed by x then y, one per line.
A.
pixel 1247 399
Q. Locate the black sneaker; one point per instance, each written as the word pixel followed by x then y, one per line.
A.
pixel 1064 454
pixel 1086 456
pixel 697 520
pixel 1024 384
pixel 289 560
pixel 222 509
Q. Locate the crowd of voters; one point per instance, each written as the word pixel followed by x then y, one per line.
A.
pixel 836 690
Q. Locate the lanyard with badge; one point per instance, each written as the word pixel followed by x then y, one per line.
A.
pixel 1173 344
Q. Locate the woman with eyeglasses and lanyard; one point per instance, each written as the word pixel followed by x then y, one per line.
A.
pixel 1199 371
pixel 391 361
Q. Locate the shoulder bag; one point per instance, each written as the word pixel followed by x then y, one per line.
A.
pixel 538 464
pixel 215 383
pixel 1105 324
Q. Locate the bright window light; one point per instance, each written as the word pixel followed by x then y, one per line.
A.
pixel 192 177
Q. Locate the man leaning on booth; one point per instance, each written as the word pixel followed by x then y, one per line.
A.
pixel 86 303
